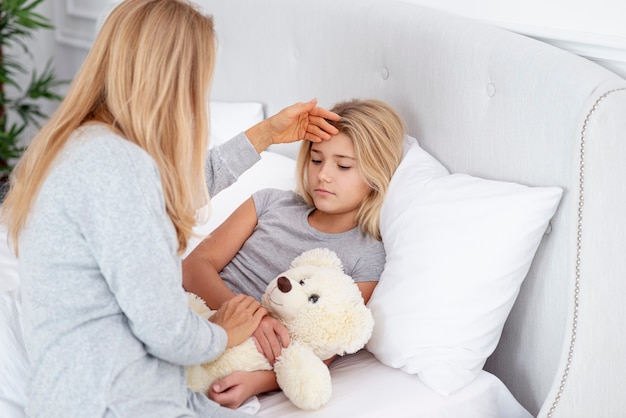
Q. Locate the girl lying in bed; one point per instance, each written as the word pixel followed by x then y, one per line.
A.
pixel 341 187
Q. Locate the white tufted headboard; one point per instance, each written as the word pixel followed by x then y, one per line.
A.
pixel 490 103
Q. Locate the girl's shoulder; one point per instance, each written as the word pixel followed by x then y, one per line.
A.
pixel 279 196
pixel 270 199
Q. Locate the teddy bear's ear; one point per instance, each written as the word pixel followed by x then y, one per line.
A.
pixel 322 257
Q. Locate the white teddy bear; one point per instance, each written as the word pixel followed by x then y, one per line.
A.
pixel 323 310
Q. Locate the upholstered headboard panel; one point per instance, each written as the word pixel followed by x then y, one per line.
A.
pixel 485 102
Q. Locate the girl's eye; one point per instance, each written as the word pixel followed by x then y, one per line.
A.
pixel 314 298
pixel 316 161
pixel 343 167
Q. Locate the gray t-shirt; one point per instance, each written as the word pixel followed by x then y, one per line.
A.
pixel 283 232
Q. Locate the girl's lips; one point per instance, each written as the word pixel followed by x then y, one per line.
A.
pixel 323 192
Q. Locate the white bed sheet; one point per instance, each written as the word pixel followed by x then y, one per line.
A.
pixel 365 388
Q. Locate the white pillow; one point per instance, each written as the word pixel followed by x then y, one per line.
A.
pixel 228 119
pixel 458 248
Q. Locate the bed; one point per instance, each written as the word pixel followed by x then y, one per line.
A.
pixel 505 226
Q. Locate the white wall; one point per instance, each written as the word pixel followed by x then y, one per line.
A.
pixel 75 22
pixel 69 42
pixel 602 17
pixel 594 29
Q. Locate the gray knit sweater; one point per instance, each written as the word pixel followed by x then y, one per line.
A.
pixel 107 326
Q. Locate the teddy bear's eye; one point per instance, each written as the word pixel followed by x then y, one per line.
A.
pixel 302 282
pixel 314 298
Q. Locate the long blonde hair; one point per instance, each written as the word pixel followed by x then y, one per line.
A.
pixel 377 133
pixel 147 78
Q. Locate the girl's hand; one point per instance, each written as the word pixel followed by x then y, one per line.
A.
pixel 293 123
pixel 270 338
pixel 233 390
pixel 239 316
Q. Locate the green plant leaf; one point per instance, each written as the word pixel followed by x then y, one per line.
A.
pixel 18 21
pixel 42 85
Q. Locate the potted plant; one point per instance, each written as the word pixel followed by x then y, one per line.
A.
pixel 20 102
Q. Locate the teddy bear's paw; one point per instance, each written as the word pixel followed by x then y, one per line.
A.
pixel 303 377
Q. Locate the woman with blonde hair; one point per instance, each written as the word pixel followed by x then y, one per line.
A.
pixel 101 207
pixel 341 187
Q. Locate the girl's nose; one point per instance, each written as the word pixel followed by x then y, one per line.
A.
pixel 324 174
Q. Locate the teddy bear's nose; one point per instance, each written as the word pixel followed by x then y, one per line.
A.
pixel 284 284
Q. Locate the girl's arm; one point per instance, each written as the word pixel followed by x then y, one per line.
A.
pixel 202 266
pixel 234 389
pixel 366 288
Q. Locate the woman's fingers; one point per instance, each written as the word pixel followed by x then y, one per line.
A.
pixel 239 316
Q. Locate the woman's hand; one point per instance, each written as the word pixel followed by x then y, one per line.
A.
pixel 234 389
pixel 270 338
pixel 240 317
pixel 293 123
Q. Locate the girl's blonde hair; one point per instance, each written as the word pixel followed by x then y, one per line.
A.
pixel 147 78
pixel 377 132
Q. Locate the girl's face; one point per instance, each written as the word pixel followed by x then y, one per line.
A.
pixel 335 182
